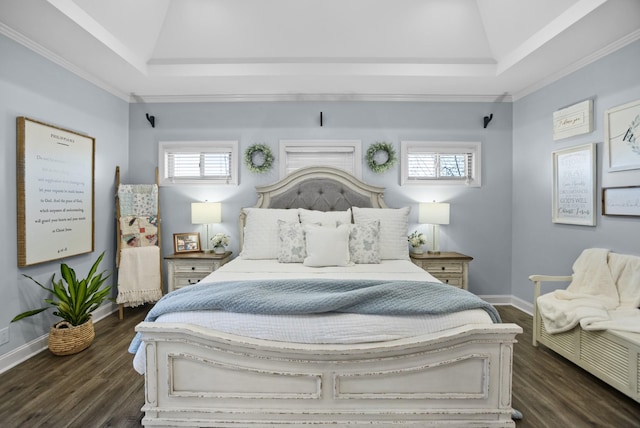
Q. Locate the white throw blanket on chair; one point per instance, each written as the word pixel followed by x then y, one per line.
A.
pixel 139 279
pixel 591 300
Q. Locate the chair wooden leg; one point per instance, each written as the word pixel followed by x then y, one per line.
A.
pixel 121 311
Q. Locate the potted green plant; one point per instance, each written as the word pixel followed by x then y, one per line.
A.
pixel 73 300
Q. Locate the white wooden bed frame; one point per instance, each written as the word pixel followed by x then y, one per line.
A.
pixel 204 378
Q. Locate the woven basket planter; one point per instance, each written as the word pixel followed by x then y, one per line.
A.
pixel 66 339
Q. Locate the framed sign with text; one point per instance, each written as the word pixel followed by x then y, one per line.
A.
pixel 573 120
pixel 623 201
pixel 55 177
pixel 622 136
pixel 574 185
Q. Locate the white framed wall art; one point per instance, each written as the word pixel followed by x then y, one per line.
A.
pixel 622 136
pixel 574 185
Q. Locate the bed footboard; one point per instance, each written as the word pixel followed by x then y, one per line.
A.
pixel 199 377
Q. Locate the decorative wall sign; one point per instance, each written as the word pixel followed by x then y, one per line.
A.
pixel 573 120
pixel 622 136
pixel 574 185
pixel 55 178
pixel 624 201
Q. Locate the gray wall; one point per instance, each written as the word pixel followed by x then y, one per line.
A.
pixel 540 246
pixel 34 87
pixel 480 217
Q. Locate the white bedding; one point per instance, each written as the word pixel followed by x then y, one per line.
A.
pixel 320 328
pixel 241 268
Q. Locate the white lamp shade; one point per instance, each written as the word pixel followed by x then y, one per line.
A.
pixel 206 212
pixel 434 213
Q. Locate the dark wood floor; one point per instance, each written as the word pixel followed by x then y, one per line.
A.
pixel 99 388
pixel 552 393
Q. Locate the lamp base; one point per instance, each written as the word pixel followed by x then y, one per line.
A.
pixel 435 240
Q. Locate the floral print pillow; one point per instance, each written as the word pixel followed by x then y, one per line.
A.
pixel 291 248
pixel 364 242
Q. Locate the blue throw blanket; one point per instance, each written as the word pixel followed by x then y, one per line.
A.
pixel 313 296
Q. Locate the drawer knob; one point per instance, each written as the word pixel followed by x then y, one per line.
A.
pixel 443 268
pixel 447 281
pixel 194 268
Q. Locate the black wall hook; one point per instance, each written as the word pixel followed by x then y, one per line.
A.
pixel 320 118
pixel 487 119
pixel 152 120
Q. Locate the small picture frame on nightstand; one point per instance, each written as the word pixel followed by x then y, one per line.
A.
pixel 186 242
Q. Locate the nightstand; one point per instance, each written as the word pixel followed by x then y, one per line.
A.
pixel 450 268
pixel 190 268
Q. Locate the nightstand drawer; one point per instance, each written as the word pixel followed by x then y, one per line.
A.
pixel 184 280
pixel 442 267
pixel 189 269
pixel 192 266
pixel 455 280
pixel 449 267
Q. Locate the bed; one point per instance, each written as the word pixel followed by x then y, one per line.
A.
pixel 220 368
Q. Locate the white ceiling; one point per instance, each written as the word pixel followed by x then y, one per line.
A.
pixel 208 50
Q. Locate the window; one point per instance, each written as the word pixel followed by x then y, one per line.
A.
pixel 442 162
pixel 342 154
pixel 193 162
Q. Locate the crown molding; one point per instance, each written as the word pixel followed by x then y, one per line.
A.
pixel 607 50
pixel 225 98
pixel 57 59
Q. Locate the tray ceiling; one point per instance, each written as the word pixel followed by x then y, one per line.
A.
pixel 189 50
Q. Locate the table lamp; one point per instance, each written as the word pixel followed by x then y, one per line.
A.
pixel 434 214
pixel 206 213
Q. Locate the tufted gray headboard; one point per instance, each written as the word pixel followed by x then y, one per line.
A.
pixel 317 188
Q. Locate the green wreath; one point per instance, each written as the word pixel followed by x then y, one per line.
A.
pixel 376 148
pixel 264 152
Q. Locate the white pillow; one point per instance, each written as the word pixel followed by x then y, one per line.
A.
pixel 327 246
pixel 394 224
pixel 261 231
pixel 325 218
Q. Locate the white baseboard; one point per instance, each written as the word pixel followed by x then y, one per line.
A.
pixel 28 350
pixel 501 300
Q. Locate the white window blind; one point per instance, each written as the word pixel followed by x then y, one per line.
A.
pixel 199 165
pixel 210 162
pixel 436 166
pixel 441 163
pixel 344 155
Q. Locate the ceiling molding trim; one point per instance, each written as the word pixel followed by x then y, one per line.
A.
pixel 559 25
pixel 81 18
pixel 58 60
pixel 609 49
pixel 322 69
pixel 225 98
